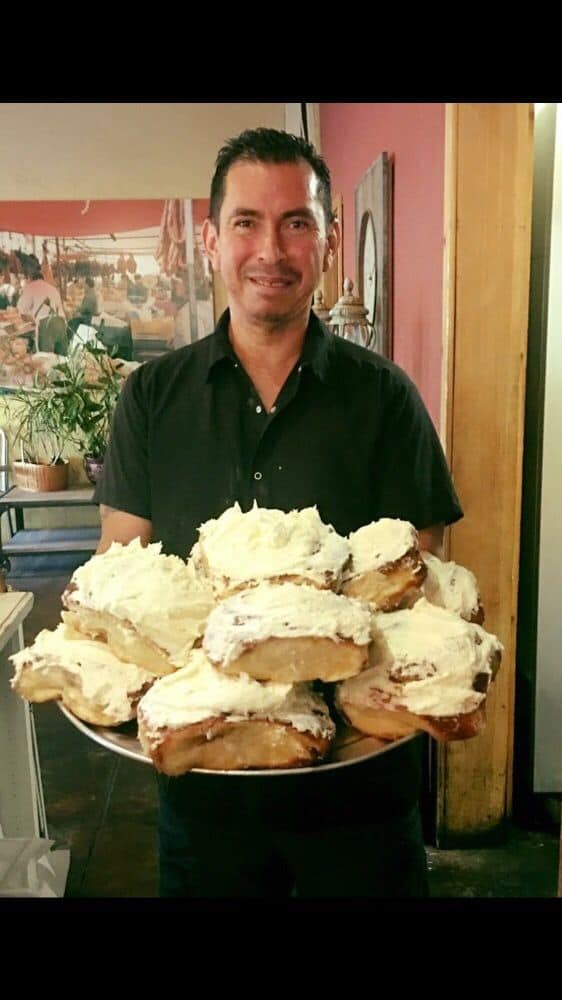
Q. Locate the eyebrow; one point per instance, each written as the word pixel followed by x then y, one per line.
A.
pixel 304 213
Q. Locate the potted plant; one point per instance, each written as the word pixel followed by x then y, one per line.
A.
pixel 71 405
pixel 101 383
pixel 41 433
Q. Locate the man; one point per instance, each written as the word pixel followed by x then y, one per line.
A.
pixel 138 292
pixel 90 305
pixel 273 408
pixel 41 303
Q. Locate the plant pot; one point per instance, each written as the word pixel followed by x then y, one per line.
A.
pixel 41 478
pixel 93 467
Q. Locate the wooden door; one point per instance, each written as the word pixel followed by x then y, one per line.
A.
pixel 488 192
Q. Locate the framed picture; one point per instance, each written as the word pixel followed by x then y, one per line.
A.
pixel 332 280
pixel 373 229
pixel 131 272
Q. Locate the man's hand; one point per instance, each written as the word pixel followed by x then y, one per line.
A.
pixel 117 526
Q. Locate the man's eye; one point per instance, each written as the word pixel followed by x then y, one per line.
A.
pixel 243 223
pixel 299 224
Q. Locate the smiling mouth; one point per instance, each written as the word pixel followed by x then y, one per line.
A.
pixel 271 282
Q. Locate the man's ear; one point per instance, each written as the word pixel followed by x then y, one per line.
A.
pixel 210 238
pixel 333 240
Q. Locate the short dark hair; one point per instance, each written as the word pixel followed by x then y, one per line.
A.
pixel 90 282
pixel 268 145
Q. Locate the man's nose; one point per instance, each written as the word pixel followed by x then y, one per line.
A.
pixel 271 248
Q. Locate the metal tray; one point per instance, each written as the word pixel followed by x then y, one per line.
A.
pixel 350 747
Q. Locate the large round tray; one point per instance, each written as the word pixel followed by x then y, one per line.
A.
pixel 350 747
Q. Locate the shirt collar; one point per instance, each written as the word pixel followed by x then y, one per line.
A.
pixel 315 354
pixel 220 346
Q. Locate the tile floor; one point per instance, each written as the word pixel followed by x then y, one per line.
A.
pixel 103 808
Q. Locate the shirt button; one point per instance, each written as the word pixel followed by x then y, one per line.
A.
pixel 258 409
pixel 257 475
pixel 300 368
pixel 273 409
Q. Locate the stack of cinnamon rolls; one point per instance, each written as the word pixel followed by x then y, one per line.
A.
pixel 247 654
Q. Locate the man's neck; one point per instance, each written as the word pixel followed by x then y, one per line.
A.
pixel 268 353
pixel 267 345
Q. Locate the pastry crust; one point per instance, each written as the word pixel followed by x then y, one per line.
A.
pixel 225 588
pixel 429 669
pixel 388 586
pixel 120 635
pixel 53 682
pixel 217 744
pixel 478 616
pixel 305 658
pixel 386 724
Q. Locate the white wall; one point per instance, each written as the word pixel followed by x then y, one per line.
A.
pixel 548 748
pixel 118 150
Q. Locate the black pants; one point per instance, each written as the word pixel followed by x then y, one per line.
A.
pixel 301 836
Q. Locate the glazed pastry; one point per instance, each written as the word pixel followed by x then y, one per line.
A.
pixel 145 605
pixel 289 633
pixel 386 565
pixel 84 674
pixel 453 587
pixel 199 717
pixel 428 669
pixel 239 550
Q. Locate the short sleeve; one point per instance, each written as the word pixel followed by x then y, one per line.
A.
pixel 124 483
pixel 413 478
pixel 24 301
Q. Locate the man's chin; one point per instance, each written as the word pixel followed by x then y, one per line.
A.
pixel 271 314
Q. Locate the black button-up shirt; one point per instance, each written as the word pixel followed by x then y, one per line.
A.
pixel 348 433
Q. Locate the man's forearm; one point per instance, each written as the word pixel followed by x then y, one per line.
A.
pixel 118 526
pixel 431 539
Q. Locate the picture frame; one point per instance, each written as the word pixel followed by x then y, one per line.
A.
pixel 373 233
pixel 331 283
pixel 129 274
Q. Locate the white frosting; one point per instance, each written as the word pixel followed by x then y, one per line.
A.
pixel 156 593
pixel 284 610
pixel 424 660
pixel 105 681
pixel 450 586
pixel 264 543
pixel 196 568
pixel 198 691
pixel 378 543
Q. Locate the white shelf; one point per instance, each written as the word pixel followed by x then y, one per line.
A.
pixel 22 809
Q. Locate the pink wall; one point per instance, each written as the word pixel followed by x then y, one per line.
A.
pixel 352 136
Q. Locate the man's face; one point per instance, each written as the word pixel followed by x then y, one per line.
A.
pixel 272 243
